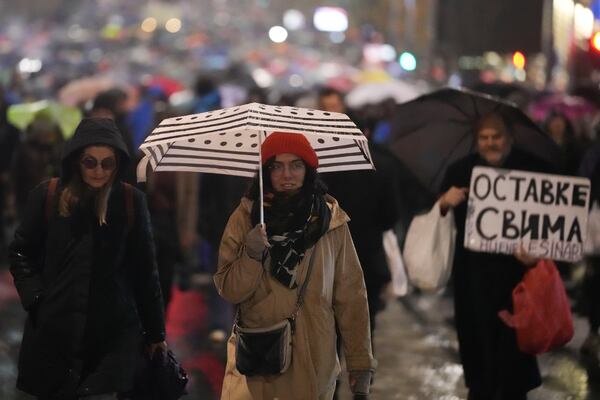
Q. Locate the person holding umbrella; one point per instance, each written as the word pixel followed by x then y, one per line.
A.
pixel 494 367
pixel 84 266
pixel 262 268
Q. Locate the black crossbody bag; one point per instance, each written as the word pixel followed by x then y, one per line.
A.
pixel 268 351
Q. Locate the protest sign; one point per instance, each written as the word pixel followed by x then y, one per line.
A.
pixel 546 214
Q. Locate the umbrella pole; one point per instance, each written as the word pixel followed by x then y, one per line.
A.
pixel 260 182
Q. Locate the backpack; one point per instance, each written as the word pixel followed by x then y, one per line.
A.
pixel 52 185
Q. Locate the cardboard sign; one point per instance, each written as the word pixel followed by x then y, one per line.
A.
pixel 546 214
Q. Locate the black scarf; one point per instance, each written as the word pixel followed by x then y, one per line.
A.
pixel 294 224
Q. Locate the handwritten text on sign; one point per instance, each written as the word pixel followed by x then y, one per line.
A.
pixel 546 214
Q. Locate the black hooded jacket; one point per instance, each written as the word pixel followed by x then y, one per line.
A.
pixel 91 291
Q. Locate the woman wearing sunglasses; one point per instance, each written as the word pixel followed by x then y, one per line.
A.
pixel 86 274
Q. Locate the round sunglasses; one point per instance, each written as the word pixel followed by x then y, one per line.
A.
pixel 107 164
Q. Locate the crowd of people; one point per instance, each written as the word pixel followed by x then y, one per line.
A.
pixel 203 224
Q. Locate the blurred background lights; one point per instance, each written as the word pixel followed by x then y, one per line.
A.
pixel 30 65
pixel 330 19
pixel 296 80
pixel 337 37
pixel 408 62
pixel 518 60
pixel 293 20
pixel 387 53
pixel 75 32
pixel 149 24
pixel 173 25
pixel 262 77
pixel 278 34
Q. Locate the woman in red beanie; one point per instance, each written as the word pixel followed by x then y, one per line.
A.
pixel 262 268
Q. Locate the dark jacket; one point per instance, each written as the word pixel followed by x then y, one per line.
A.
pixel 371 200
pixel 91 291
pixel 483 285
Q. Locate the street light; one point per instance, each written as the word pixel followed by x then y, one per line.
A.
pixel 278 34
pixel 407 61
pixel 595 42
pixel 519 60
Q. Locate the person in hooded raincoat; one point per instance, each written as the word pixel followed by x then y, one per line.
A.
pixel 494 367
pixel 86 276
pixel 262 268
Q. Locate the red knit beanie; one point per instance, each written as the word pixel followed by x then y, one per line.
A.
pixel 293 143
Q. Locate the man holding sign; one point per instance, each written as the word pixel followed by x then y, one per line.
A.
pixel 493 365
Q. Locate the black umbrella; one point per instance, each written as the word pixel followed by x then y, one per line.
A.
pixel 434 130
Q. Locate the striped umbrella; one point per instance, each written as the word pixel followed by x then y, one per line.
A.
pixel 227 141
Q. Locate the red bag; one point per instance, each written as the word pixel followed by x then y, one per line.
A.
pixel 542 313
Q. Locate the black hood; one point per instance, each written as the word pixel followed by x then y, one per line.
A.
pixel 94 131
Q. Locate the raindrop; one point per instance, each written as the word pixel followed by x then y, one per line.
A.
pixel 239 144
pixel 294 112
pixel 223 143
pixel 238 134
pixel 326 113
pixel 321 141
pixel 191 140
pixel 207 142
pixel 253 135
pixel 254 145
pixel 310 113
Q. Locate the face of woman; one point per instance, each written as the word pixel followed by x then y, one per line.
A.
pixel 97 165
pixel 287 173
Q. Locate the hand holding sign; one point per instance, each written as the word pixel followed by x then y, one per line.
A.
pixel 525 258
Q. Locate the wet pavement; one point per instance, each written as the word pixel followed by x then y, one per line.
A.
pixel 415 345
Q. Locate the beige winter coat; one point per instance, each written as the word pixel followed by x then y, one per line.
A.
pixel 335 293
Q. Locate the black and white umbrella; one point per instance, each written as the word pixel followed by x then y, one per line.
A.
pixel 227 141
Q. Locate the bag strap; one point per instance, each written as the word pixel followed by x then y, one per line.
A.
pixel 129 205
pixel 50 198
pixel 299 300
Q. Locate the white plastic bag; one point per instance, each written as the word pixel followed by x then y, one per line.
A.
pixel 591 246
pixel 399 284
pixel 429 249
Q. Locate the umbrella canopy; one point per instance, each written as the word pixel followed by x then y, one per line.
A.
pixel 21 115
pixel 81 90
pixel 574 107
pixel 375 92
pixel 434 130
pixel 228 141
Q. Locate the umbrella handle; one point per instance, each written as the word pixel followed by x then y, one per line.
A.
pixel 260 181
pixel 141 169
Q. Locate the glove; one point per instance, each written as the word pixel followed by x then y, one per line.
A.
pixel 360 382
pixel 256 242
